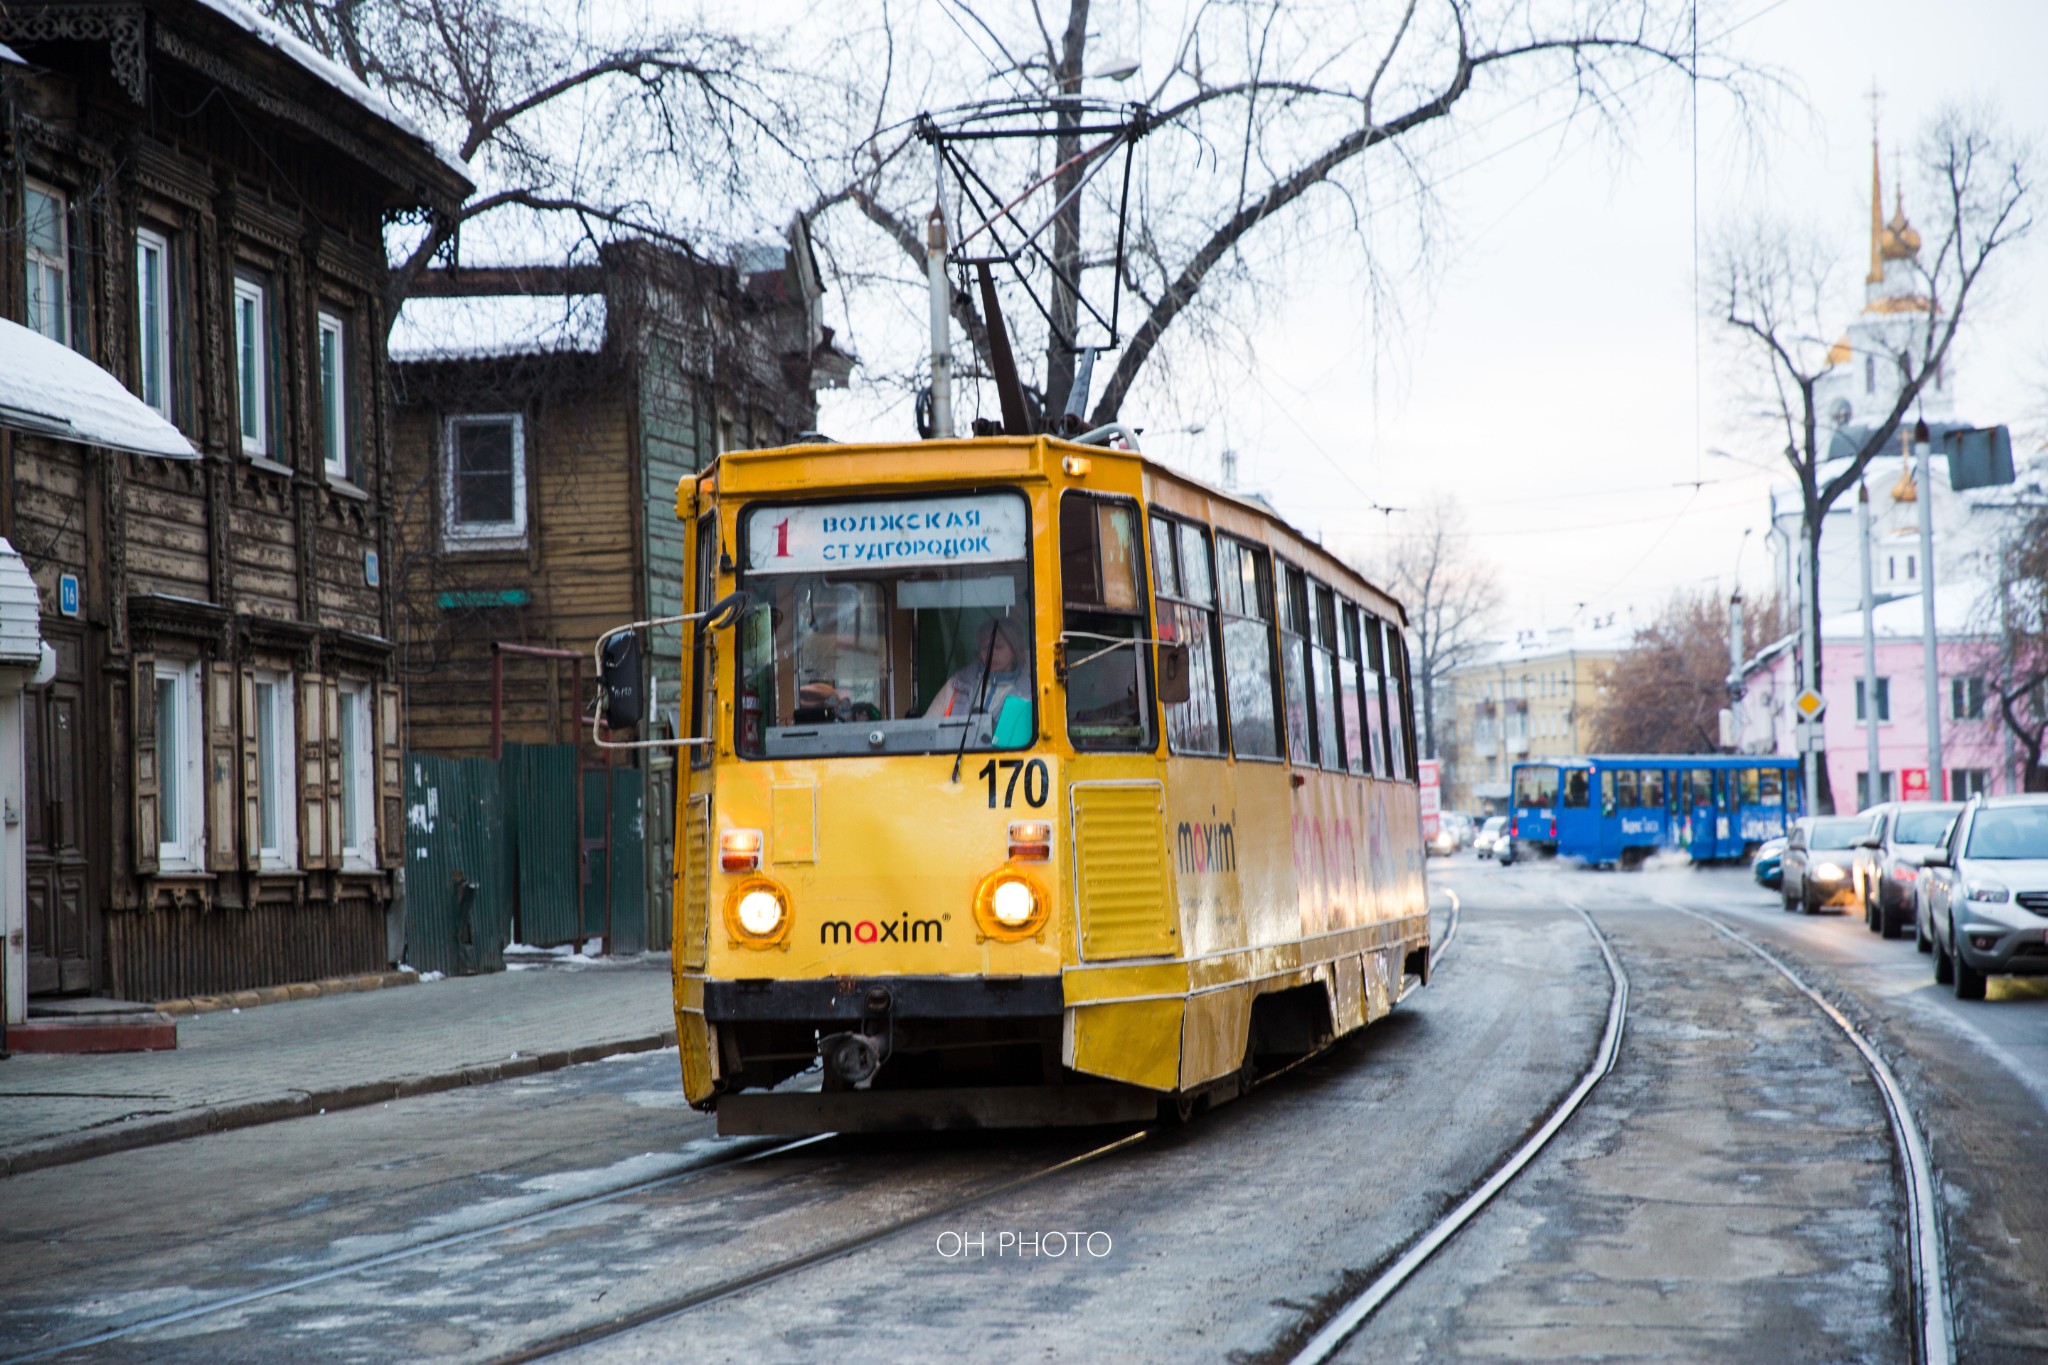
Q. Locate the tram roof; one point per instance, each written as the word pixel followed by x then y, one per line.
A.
pixel 976 459
pixel 1663 761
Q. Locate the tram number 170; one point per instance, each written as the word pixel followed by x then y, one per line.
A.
pixel 1037 781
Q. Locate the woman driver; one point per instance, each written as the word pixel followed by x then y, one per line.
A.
pixel 998 652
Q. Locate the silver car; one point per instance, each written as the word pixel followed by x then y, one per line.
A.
pixel 1985 894
pixel 1888 861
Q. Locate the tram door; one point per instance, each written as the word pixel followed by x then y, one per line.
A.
pixel 1701 813
pixel 1578 813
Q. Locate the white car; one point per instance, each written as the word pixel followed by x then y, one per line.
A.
pixel 1985 894
pixel 1490 835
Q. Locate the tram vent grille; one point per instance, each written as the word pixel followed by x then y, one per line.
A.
pixel 694 895
pixel 1123 887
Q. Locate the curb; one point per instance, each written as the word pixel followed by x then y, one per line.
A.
pixel 296 990
pixel 191 1123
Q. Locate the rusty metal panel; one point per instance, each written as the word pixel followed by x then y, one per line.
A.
pixel 458 902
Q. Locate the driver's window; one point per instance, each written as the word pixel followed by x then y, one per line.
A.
pixel 1577 788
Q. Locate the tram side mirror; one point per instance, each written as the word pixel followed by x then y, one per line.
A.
pixel 619 672
pixel 1173 674
pixel 727 609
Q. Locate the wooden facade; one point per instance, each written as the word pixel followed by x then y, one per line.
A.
pixel 676 360
pixel 213 779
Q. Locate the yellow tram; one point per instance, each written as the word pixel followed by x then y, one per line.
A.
pixel 1035 783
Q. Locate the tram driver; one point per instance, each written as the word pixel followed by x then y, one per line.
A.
pixel 994 674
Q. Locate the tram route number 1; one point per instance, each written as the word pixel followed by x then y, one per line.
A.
pixel 1037 781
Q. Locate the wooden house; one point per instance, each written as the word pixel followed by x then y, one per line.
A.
pixel 197 202
pixel 545 416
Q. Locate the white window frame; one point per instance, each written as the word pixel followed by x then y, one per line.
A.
pixel 278 767
pixel 334 425
pixel 177 754
pixel 252 380
pixel 41 263
pixel 359 771
pixel 148 242
pixel 484 535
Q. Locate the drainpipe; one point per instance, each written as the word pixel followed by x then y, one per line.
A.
pixel 1872 787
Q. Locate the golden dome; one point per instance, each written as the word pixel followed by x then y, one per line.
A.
pixel 1898 241
pixel 1905 490
pixel 1840 352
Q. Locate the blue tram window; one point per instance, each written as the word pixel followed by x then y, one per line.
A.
pixel 1653 788
pixel 1627 785
pixel 1577 789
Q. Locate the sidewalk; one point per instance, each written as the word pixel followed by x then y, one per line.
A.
pixel 234 1068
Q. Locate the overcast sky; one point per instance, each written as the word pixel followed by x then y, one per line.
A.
pixel 1547 373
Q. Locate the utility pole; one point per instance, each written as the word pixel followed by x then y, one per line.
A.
pixel 1809 654
pixel 1735 668
pixel 1872 784
pixel 942 326
pixel 1937 783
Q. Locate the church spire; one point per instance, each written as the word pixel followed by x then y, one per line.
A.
pixel 1876 275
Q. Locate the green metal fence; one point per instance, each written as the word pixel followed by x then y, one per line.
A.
pixel 458 884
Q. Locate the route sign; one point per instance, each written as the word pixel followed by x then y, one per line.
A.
pixel 1809 704
pixel 1913 784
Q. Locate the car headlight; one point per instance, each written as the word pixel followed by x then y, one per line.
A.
pixel 1009 905
pixel 1990 892
pixel 1828 872
pixel 757 913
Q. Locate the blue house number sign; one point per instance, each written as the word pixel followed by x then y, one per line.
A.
pixel 67 594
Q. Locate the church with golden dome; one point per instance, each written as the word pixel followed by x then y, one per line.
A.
pixel 1864 375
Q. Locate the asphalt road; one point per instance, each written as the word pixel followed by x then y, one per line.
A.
pixel 1728 1192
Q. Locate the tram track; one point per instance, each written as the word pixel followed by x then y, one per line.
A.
pixel 1926 1251
pixel 1354 1313
pixel 742 1152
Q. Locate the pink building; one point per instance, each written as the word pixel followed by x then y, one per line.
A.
pixel 1977 751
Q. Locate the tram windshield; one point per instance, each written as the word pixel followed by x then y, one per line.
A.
pixel 898 627
pixel 1536 786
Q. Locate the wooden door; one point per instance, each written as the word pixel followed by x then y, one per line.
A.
pixel 62 937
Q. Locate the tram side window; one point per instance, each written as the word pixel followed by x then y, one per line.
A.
pixel 1375 679
pixel 1770 787
pixel 1627 789
pixel 1752 788
pixel 1702 787
pixel 1244 580
pixel 1187 613
pixel 1578 789
pixel 1323 604
pixel 1295 668
pixel 1347 689
pixel 1653 789
pixel 1109 694
pixel 1400 704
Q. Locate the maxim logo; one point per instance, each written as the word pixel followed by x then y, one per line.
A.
pixel 903 930
pixel 1206 846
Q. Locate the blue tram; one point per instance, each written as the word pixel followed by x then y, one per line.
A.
pixel 1621 808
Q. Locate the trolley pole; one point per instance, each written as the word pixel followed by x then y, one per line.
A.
pixel 942 328
pixel 1872 788
pixel 1937 784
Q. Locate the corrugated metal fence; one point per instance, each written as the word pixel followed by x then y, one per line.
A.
pixel 494 854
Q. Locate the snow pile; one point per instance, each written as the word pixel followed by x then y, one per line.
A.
pixel 498 325
pixel 46 387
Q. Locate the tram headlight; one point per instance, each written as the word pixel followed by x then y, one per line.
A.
pixel 1009 905
pixel 757 913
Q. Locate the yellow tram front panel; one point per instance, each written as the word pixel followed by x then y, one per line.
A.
pixel 1175 889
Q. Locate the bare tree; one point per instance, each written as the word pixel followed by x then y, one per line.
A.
pixel 1275 129
pixel 2019 663
pixel 1775 290
pixel 1452 594
pixel 1665 692
pixel 557 118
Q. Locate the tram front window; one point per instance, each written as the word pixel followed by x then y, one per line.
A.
pixel 1536 786
pixel 929 648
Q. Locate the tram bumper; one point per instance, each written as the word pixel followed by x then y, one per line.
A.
pixel 878 1038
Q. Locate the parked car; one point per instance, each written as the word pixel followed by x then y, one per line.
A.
pixel 1984 894
pixel 1888 861
pixel 1444 842
pixel 1767 866
pixel 1490 833
pixel 1819 853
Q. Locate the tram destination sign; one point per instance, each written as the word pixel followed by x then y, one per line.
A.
pixel 829 537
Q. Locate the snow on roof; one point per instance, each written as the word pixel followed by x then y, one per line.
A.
pixel 1527 646
pixel 1961 608
pixel 50 389
pixel 498 325
pixel 269 31
pixel 8 54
